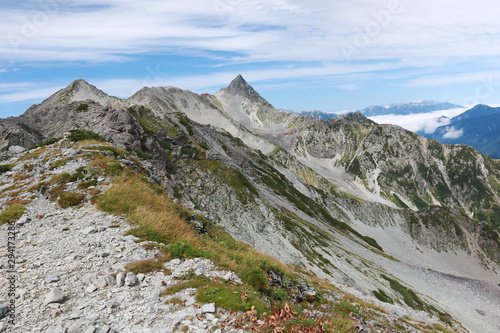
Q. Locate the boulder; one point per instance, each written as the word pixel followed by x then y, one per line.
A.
pixel 55 295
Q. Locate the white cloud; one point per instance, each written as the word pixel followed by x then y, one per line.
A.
pixel 350 87
pixel 453 133
pixel 426 122
pixel 32 94
pixel 446 80
pixel 279 30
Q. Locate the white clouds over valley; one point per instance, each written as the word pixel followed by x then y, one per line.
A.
pixel 426 122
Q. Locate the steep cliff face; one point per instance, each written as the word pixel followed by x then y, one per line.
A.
pixel 345 198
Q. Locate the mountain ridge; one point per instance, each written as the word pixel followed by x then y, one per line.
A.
pixel 302 188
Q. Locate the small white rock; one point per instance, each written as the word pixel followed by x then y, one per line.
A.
pixel 91 288
pixel 208 308
pixel 55 295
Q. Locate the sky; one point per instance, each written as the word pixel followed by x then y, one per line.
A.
pixel 327 55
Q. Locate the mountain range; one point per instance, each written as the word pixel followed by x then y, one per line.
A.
pixel 478 127
pixel 392 109
pixel 390 214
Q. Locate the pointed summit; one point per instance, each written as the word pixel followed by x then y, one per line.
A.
pixel 240 87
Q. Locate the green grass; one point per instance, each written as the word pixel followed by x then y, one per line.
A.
pixel 5 168
pixel 12 213
pixel 409 296
pixel 382 296
pixel 196 282
pixel 345 308
pixel 230 297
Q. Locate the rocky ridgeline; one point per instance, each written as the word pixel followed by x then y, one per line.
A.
pixel 70 269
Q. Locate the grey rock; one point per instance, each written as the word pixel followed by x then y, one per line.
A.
pixel 23 220
pixel 16 149
pixel 120 279
pixel 110 280
pixel 91 288
pixel 131 279
pixel 363 329
pixel 4 311
pixel 208 308
pixel 140 277
pixel 57 329
pixel 72 317
pixel 175 262
pixel 89 230
pixel 100 282
pixel 51 278
pixel 55 295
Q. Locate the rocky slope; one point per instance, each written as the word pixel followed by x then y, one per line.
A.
pixel 347 199
pixel 79 269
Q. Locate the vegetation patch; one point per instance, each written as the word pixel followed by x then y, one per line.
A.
pixel 45 143
pixel 79 135
pixel 82 108
pixel 196 281
pixel 245 191
pixel 409 296
pixel 70 199
pixel 116 152
pixel 59 163
pixel 87 184
pixel 382 296
pixel 5 168
pixel 185 122
pixel 144 266
pixel 12 213
pixel 232 298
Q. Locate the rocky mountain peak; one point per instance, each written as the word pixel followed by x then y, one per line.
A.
pixel 81 89
pixel 240 87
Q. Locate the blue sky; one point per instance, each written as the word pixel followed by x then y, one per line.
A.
pixel 300 55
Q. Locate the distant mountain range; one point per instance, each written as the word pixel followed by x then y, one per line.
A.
pixel 397 109
pixel 407 108
pixel 478 127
